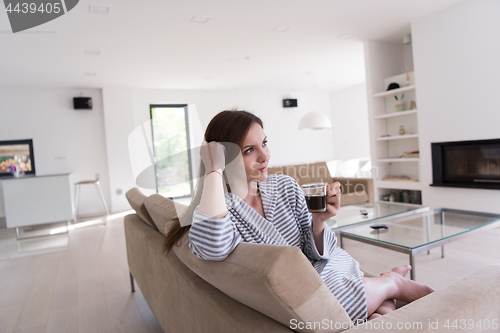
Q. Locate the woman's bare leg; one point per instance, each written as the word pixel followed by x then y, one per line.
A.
pixel 374 315
pixel 387 306
pixel 392 286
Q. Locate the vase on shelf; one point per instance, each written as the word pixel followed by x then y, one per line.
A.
pixel 399 103
pixel 402 130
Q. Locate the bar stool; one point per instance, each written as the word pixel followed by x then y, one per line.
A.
pixel 102 201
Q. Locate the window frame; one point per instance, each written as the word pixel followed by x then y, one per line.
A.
pixel 188 151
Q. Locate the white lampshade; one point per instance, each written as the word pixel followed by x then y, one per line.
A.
pixel 314 120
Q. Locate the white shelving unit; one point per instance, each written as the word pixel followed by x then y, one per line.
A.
pixel 401 159
pixel 395 114
pixel 383 66
pixel 402 137
pixel 394 91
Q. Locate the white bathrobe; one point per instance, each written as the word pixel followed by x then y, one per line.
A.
pixel 287 222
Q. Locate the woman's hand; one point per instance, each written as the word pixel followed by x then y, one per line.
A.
pixel 332 204
pixel 318 219
pixel 213 156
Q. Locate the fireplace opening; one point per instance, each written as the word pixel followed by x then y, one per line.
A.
pixel 469 164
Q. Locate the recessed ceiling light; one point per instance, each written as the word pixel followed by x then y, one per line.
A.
pixel 89 74
pixel 92 52
pixel 233 59
pixel 280 28
pixel 99 9
pixel 200 19
pixel 344 36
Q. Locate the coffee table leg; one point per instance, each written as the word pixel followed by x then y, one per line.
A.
pixel 442 233
pixel 428 228
pixel 412 264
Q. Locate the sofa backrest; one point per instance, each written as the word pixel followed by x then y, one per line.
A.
pixel 181 300
pixel 163 211
pixel 278 281
pixel 354 190
pixel 305 173
pixel 136 200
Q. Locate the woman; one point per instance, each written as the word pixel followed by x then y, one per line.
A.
pixel 272 210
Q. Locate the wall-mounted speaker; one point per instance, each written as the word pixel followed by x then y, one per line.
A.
pixel 289 103
pixel 82 103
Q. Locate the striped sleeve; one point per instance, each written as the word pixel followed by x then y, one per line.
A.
pixel 307 236
pixel 212 238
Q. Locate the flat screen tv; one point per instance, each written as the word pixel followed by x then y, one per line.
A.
pixel 17 151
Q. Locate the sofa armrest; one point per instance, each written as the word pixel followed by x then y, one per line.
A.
pixel 180 300
pixel 277 281
pixel 474 298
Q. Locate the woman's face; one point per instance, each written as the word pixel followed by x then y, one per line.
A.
pixel 255 154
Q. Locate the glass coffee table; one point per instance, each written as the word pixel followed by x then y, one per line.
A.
pixel 376 212
pixel 423 231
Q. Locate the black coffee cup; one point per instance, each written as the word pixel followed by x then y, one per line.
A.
pixel 315 194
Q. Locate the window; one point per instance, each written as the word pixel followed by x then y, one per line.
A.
pixel 170 132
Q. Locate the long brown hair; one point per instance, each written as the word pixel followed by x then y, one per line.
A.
pixel 227 126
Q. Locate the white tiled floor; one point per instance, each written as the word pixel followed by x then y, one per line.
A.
pixel 75 282
pixel 11 248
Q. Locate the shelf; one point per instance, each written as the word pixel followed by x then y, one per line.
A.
pixel 397 137
pixel 400 159
pixel 395 114
pixel 394 91
pixel 402 185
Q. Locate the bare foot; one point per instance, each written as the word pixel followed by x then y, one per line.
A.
pixel 408 290
pixel 402 270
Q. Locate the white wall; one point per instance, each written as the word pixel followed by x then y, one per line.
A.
pixel 288 145
pixel 64 140
pixel 456 56
pixel 119 123
pixel 349 115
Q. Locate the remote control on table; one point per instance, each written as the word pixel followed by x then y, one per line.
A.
pixel 379 226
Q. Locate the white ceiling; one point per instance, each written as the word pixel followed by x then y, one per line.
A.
pixel 153 44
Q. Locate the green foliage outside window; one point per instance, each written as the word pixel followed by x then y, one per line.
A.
pixel 171 151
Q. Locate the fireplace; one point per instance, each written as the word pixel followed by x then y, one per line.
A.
pixel 470 164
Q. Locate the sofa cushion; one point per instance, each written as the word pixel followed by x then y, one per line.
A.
pixel 163 211
pixel 308 173
pixel 275 170
pixel 277 281
pixel 355 190
pixel 136 200
pixel 470 300
pixel 315 173
pixel 353 198
pixel 180 299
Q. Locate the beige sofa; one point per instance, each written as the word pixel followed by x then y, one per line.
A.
pixel 268 288
pixel 354 190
